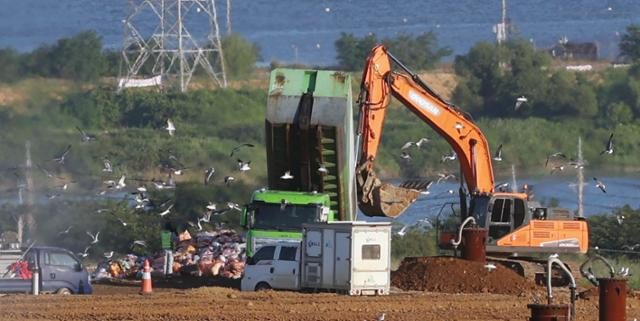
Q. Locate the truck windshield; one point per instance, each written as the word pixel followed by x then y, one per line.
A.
pixel 288 218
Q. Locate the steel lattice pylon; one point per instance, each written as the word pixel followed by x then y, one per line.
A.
pixel 158 43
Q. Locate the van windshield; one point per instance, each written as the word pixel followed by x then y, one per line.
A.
pixel 268 216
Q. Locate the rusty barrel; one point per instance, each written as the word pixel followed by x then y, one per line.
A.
pixel 613 299
pixel 474 244
pixel 549 312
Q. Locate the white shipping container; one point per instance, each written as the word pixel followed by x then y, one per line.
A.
pixel 353 257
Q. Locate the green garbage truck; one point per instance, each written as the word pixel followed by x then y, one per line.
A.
pixel 309 137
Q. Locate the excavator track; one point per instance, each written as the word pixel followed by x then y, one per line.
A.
pixel 535 269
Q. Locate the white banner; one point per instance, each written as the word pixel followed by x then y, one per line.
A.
pixel 128 83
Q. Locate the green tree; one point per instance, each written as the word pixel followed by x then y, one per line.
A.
pixel 630 43
pixel 79 58
pixel 10 69
pixel 352 51
pixel 240 56
pixel 619 113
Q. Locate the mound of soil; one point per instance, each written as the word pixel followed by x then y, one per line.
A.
pixel 452 275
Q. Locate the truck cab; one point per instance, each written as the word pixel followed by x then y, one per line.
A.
pixel 274 266
pixel 60 271
pixel 274 216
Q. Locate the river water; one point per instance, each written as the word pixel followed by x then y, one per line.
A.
pixel 305 30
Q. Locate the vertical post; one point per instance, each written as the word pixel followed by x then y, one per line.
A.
pixel 228 17
pixel 35 277
pixel 31 223
pixel 20 227
pixel 514 183
pixel 613 299
pixel 180 49
pixel 580 179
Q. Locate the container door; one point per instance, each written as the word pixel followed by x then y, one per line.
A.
pixel 343 259
pixel 286 268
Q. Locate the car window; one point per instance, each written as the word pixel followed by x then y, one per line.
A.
pixel 288 253
pixel 264 253
pixel 62 259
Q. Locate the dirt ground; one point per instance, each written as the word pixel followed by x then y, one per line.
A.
pixel 122 302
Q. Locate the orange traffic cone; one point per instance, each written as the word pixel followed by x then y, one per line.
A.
pixel 146 279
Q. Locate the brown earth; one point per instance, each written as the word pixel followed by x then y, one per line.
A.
pixel 452 275
pixel 121 302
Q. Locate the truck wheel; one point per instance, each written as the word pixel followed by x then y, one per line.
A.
pixel 63 291
pixel 263 286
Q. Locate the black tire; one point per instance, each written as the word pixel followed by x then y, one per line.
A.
pixel 263 286
pixel 63 291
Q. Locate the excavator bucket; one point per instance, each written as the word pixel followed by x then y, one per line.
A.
pixel 382 199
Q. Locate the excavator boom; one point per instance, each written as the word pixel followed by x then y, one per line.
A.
pixel 466 139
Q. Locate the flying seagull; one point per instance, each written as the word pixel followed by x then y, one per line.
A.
pixel 234 206
pixel 66 231
pixel 167 211
pixel 243 166
pixel 620 219
pixel 554 155
pixel 139 242
pixel 107 166
pixel 85 253
pixel 84 137
pixel 228 180
pixel 609 148
pixel 519 101
pixel 449 157
pixel 211 206
pixel 444 177
pixel 405 156
pixel 418 144
pixel 600 185
pixel 208 175
pixel 108 255
pixel 61 157
pixel 121 184
pixel 322 169
pixel 403 230
pixel 171 129
pixel 94 238
pixel 498 156
pixel 122 222
pixel 237 148
pixel 558 168
pixel 287 175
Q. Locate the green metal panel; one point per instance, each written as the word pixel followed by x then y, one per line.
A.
pixel 323 83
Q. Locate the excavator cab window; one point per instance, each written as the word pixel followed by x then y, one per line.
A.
pixel 500 224
pixel 518 213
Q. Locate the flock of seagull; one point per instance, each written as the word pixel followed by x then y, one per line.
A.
pixel 173 168
pixel 557 160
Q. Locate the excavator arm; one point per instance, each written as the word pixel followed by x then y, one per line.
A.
pixel 466 139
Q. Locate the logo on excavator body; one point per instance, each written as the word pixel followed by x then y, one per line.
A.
pixel 423 103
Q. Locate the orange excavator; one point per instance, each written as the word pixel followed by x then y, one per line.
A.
pixel 515 224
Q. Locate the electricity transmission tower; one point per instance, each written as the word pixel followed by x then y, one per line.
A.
pixel 165 41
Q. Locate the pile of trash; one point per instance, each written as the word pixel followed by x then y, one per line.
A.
pixel 209 254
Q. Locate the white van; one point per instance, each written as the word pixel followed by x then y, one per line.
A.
pixel 274 266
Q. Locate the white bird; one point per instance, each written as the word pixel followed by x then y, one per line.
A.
pixel 403 230
pixel 418 144
pixel 519 101
pixel 600 185
pixel 287 175
pixel 458 126
pixel 121 184
pixel 140 243
pixel 558 168
pixel 620 219
pixel 66 231
pixel 234 206
pixel 102 210
pixel 85 253
pixel 64 187
pixel 60 159
pixel 122 222
pixel 208 175
pixel 243 166
pixel 624 271
pixel 609 147
pixel 449 157
pixel 107 166
pixel 327 9
pixel 211 206
pixel 228 180
pixel 108 255
pixel 444 177
pixel 94 238
pixel 84 137
pixel 167 211
pixel 322 169
pixel 170 127
pixel 198 225
pixel 381 317
pixel 283 204
pixel 141 189
pixel 405 155
pixel 490 267
pixel 498 156
pixel 553 156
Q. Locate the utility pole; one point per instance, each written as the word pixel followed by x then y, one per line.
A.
pixel 514 186
pixel 228 17
pixel 31 223
pixel 580 179
pixel 500 29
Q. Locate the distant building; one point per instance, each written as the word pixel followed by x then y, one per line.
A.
pixel 566 49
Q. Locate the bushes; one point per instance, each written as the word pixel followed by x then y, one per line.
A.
pixel 240 56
